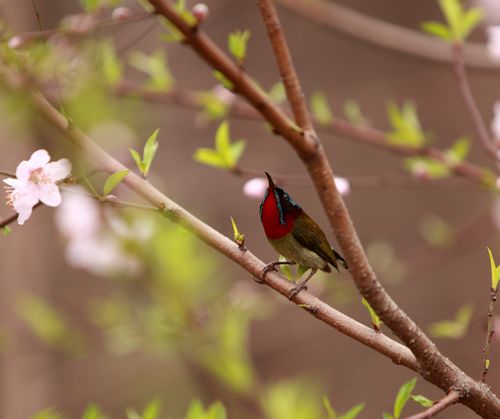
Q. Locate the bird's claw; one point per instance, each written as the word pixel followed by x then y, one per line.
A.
pixel 294 291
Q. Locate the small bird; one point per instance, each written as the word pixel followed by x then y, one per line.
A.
pixel 295 235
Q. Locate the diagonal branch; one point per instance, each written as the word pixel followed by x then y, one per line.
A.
pixel 285 64
pixel 451 398
pixel 319 309
pixel 385 34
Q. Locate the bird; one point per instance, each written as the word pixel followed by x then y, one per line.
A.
pixel 295 235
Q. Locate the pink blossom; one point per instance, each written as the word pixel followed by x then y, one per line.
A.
pixel 200 12
pixel 343 185
pixel 36 180
pixel 224 95
pixel 493 45
pixel 255 188
pixel 15 42
pixel 121 13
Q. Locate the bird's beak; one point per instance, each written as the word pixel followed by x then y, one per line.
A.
pixel 270 180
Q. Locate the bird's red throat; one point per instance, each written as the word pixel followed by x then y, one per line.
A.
pixel 271 219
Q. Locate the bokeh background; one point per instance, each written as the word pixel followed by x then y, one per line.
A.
pixel 120 360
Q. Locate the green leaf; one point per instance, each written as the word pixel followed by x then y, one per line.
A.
pixel 285 269
pixel 156 67
pixel 113 181
pixel 374 316
pixel 436 231
pixel 237 44
pixel 195 410
pixel 437 29
pixel 90 5
pixel 223 143
pixel 458 152
pixel 111 65
pixel 93 412
pixel 216 411
pixel 132 414
pixel 222 79
pixel 213 107
pixel 353 412
pixel 495 271
pixel 277 93
pixel 237 236
pixel 453 329
pixel 6 231
pixel 152 410
pixel 329 409
pixel 422 400
pixel 48 414
pixel 149 152
pixel 406 125
pixel 470 20
pixel 210 158
pixel 387 416
pixel 236 151
pixel 433 169
pixel 403 396
pixel 320 108
pixel 137 158
pixel 353 113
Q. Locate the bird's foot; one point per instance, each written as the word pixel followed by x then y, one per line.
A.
pixel 294 291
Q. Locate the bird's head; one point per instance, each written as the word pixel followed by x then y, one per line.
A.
pixel 277 210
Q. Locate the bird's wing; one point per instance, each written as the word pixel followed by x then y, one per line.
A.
pixel 314 239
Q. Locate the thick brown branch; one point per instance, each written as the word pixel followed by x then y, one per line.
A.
pixel 385 34
pixel 451 398
pixel 466 92
pixel 285 64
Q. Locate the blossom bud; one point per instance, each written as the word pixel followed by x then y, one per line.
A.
pixel 200 12
pixel 121 13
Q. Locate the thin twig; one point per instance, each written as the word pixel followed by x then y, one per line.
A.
pixel 451 398
pixel 285 64
pixel 6 174
pixel 13 217
pixel 385 34
pixel 466 92
pixel 489 335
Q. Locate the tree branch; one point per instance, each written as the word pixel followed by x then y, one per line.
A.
pixel 489 335
pixel 385 34
pixel 285 64
pixel 451 398
pixel 466 92
pixel 361 133
pixel 319 309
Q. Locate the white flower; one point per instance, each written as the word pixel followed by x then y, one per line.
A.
pixel 343 185
pixel 255 188
pixel 493 45
pixel 36 180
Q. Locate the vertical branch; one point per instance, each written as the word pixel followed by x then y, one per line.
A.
pixel 285 64
pixel 466 92
pixel 489 335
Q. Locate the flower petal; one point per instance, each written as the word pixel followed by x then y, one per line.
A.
pixel 23 205
pixel 23 170
pixel 15 183
pixel 39 158
pixel 58 170
pixel 49 194
pixel 24 214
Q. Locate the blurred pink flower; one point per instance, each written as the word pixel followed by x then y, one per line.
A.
pixel 255 188
pixel 200 12
pixel 121 13
pixel 15 42
pixel 343 185
pixel 224 95
pixel 495 122
pixel 493 45
pixel 36 180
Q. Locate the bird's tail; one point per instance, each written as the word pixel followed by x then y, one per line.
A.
pixel 340 259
